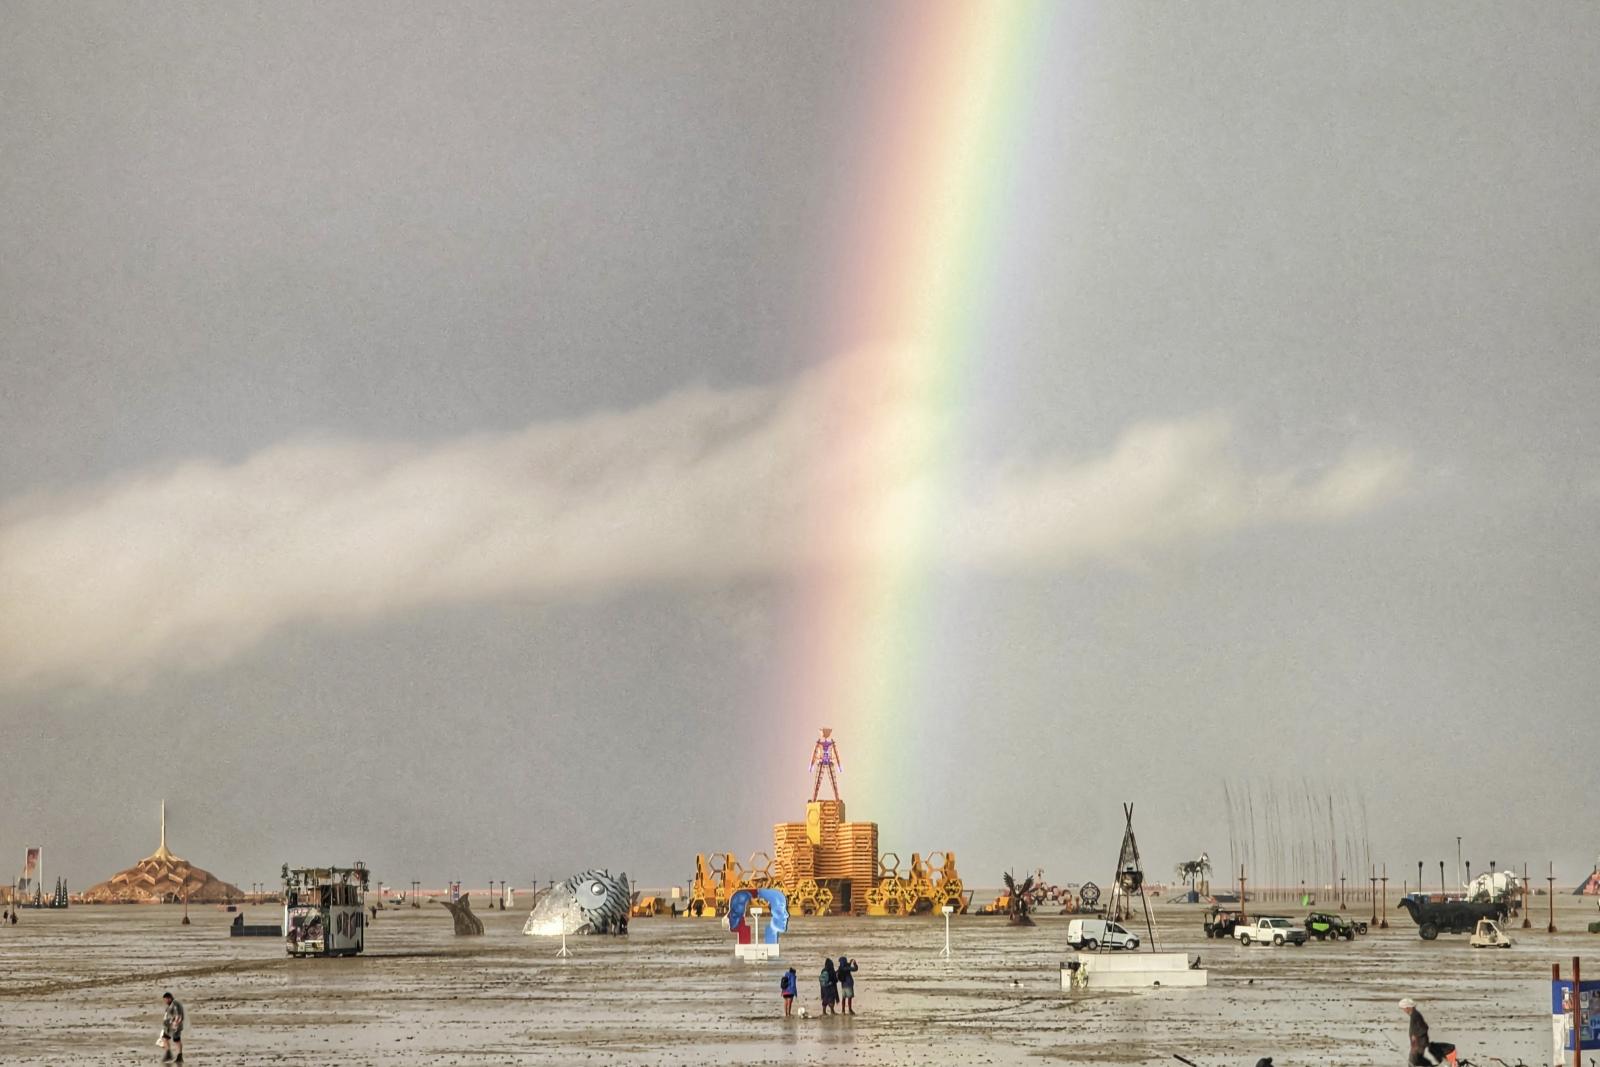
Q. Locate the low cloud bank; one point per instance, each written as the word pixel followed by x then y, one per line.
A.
pixel 191 565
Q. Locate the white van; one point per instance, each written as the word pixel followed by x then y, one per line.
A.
pixel 1092 933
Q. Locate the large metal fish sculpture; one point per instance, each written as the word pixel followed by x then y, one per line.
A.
pixel 589 903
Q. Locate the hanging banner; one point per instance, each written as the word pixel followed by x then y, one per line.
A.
pixel 29 882
pixel 1561 1018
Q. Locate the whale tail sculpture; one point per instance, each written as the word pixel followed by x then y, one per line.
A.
pixel 467 924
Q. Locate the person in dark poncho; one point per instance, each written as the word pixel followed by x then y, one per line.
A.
pixel 1421 1047
pixel 830 988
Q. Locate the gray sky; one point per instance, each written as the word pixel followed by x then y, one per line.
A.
pixel 405 414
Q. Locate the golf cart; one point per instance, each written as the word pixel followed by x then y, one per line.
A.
pixel 1323 925
pixel 1489 935
pixel 1220 922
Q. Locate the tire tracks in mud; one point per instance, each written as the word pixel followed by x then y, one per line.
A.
pixel 105 981
pixel 71 985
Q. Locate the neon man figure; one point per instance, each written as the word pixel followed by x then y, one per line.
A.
pixel 825 757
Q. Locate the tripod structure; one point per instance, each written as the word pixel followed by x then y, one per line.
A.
pixel 1129 882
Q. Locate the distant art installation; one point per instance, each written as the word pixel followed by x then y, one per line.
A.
pixel 589 903
pixel 771 901
pixel 1017 896
pixel 828 864
pixel 757 918
pixel 467 924
pixel 163 877
pixel 1591 884
pixel 825 757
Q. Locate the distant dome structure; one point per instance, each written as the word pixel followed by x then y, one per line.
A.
pixel 162 878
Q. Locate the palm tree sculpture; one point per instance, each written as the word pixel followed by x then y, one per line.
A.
pixel 1017 899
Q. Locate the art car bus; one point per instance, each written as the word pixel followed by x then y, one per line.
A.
pixel 324 910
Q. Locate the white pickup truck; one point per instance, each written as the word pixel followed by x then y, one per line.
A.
pixel 1270 931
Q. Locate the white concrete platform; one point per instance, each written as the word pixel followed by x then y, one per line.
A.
pixel 1131 970
pixel 756 951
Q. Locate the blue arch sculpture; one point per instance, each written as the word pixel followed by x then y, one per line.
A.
pixel 777 905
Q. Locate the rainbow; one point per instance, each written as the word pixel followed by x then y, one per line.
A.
pixel 918 263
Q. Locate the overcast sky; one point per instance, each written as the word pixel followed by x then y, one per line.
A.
pixel 405 413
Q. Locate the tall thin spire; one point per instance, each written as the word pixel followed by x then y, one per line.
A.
pixel 163 824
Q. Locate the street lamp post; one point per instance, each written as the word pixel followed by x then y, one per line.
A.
pixel 947 910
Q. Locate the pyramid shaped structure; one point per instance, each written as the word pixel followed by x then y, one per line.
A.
pixel 163 878
pixel 1591 885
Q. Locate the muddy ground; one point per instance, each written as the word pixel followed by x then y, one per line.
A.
pixel 82 987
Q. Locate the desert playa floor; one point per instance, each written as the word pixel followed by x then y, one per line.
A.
pixel 82 987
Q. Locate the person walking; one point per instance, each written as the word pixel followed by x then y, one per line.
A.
pixel 788 985
pixel 1421 1047
pixel 846 972
pixel 830 987
pixel 172 1029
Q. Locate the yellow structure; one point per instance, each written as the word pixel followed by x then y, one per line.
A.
pixel 650 907
pixel 719 877
pixel 828 862
pixel 828 865
pixel 928 886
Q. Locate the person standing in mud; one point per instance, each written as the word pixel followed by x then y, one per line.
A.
pixel 172 1029
pixel 1421 1047
pixel 788 986
pixel 830 987
pixel 846 972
